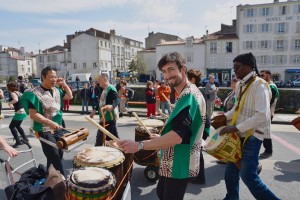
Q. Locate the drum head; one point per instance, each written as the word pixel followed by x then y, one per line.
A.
pixel 92 179
pixel 153 123
pixel 214 139
pixel 102 156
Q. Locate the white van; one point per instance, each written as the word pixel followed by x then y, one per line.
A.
pixel 81 76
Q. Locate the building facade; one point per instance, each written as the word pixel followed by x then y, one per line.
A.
pixel 272 33
pixel 191 48
pixel 57 57
pixel 16 62
pixel 221 49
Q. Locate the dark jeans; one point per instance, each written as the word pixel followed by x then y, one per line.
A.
pixel 94 102
pixel 171 188
pixel 248 173
pixel 111 127
pixel 15 127
pixel 85 103
pixel 0 107
pixel 52 154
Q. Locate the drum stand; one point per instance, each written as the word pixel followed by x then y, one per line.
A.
pixel 52 144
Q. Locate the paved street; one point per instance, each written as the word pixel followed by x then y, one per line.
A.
pixel 280 172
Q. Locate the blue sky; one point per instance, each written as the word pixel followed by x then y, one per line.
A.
pixel 42 24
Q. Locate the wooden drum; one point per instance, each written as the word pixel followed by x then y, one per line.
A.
pixel 90 183
pixel 147 157
pixel 104 157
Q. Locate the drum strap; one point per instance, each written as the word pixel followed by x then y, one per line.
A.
pixel 240 103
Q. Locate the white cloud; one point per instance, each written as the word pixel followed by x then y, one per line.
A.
pixel 158 10
pixel 57 6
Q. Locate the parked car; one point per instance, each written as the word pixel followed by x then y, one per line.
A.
pixel 296 83
pixel 36 82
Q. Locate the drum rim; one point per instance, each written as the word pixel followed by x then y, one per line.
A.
pixel 110 185
pixel 109 164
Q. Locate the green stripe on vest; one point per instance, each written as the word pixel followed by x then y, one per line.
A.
pixel 181 162
pixel 107 115
pixel 29 96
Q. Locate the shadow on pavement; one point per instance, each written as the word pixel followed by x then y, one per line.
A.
pixel 290 171
pixel 138 185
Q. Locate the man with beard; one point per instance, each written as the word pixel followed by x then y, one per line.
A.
pixel 180 139
pixel 251 114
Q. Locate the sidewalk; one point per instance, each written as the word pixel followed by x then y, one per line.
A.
pixel 141 112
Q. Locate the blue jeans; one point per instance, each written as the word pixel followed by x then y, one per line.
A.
pixel 85 103
pixel 248 173
pixel 164 106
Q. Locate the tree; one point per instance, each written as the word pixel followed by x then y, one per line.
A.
pixel 11 78
pixel 138 65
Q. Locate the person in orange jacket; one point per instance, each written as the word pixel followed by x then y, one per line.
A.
pixel 164 103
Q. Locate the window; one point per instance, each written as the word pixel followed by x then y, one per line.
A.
pixel 249 12
pixel 28 62
pixel 283 10
pixel 297 44
pixel 264 44
pixel 189 57
pixel 296 59
pixel 280 28
pixel 84 65
pixel 118 50
pixel 213 47
pixel 279 59
pixel 249 28
pixel 263 59
pixel 75 66
pixel 228 62
pixel 228 47
pixel 249 45
pixel 265 11
pixel 213 62
pixel 101 43
pixel 94 65
pixel 298 27
pixel 265 28
pixel 279 45
pixel 105 44
pixel 298 8
pixel 28 69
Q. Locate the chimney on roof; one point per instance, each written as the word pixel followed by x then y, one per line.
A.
pixel 150 34
pixel 112 32
pixel 276 1
pixel 95 32
pixel 206 33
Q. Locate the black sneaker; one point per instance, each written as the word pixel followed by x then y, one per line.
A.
pixel 265 155
pixel 17 144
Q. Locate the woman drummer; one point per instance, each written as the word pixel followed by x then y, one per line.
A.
pixel 20 115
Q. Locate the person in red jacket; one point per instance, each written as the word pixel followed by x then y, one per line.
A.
pixel 150 99
pixel 164 102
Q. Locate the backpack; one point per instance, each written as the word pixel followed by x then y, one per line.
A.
pixel 129 93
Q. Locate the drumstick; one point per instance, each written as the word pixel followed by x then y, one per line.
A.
pixel 101 128
pixel 166 98
pixel 140 121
